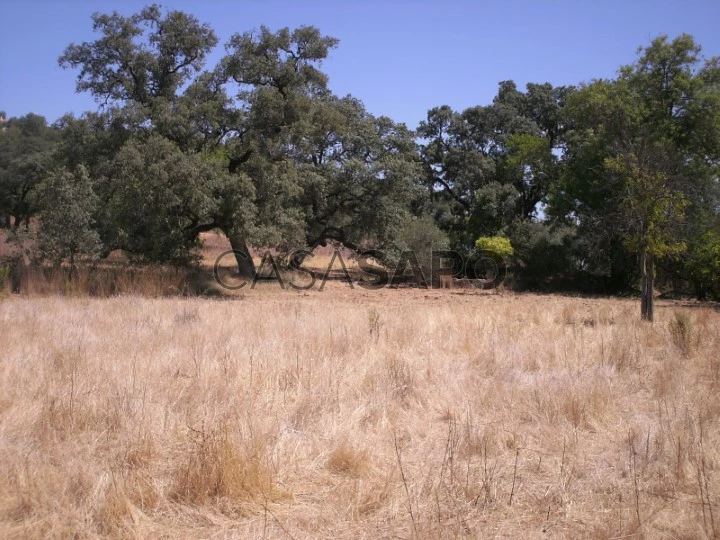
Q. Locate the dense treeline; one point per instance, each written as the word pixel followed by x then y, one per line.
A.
pixel 595 186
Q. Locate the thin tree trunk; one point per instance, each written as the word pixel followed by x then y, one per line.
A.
pixel 245 264
pixel 18 272
pixel 651 288
pixel 647 304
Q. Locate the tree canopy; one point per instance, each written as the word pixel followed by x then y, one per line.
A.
pixel 599 183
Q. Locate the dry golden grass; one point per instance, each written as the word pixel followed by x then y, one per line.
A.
pixel 103 281
pixel 357 414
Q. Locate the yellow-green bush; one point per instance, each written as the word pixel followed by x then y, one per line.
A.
pixel 496 244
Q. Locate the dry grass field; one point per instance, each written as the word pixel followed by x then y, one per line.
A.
pixel 356 414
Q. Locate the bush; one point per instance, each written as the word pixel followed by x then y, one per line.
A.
pixel 545 256
pixel 498 245
pixel 421 236
pixel 704 265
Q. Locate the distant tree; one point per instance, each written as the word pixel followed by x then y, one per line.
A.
pixel 642 154
pixel 358 175
pixel 26 155
pixel 651 209
pixel 493 164
pixel 584 196
pixel 421 236
pixel 257 147
pixel 156 198
pixel 67 204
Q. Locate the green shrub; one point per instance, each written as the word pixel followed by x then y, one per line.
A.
pixel 704 264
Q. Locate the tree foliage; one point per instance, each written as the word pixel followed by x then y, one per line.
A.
pixel 26 156
pixel 500 154
pixel 498 245
pixel 257 146
pixel 581 182
pixel 68 203
pixel 635 166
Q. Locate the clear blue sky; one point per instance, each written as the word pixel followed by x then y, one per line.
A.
pixel 400 57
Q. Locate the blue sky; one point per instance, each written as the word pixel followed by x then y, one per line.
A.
pixel 400 57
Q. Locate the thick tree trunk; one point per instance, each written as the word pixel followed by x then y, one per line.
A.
pixel 245 264
pixel 647 305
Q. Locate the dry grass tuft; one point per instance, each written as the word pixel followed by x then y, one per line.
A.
pixel 216 465
pixel 681 330
pixel 348 460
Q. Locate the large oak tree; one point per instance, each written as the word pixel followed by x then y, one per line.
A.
pixel 257 146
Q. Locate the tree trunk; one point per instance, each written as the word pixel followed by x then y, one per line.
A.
pixel 647 305
pixel 18 273
pixel 245 264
